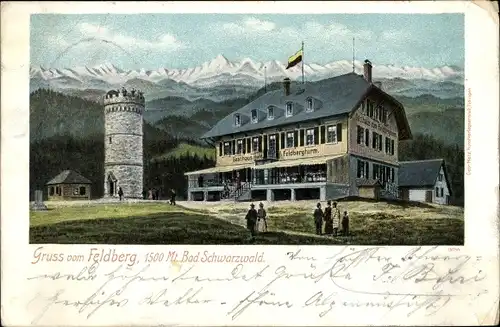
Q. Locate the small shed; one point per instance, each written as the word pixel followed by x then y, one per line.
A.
pixel 424 181
pixel 369 189
pixel 69 185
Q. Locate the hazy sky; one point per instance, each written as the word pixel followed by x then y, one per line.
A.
pixel 187 40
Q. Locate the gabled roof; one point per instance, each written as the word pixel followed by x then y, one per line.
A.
pixel 421 173
pixel 69 177
pixel 335 96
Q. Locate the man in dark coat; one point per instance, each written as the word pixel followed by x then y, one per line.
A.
pixel 318 219
pixel 120 193
pixel 328 219
pixel 172 197
pixel 251 218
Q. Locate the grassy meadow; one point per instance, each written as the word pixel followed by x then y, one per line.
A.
pixel 371 223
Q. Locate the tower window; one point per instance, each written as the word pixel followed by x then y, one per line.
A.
pixel 289 109
pixel 237 120
pixel 270 113
pixel 254 116
pixel 309 105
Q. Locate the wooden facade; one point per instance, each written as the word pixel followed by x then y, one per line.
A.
pixel 69 185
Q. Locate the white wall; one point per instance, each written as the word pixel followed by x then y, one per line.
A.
pixel 417 195
pixel 437 198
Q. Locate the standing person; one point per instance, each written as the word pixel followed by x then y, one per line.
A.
pixel 120 193
pixel 345 224
pixel 261 219
pixel 172 197
pixel 144 193
pixel 318 219
pixel 251 219
pixel 328 219
pixel 336 218
pixel 157 194
pixel 150 194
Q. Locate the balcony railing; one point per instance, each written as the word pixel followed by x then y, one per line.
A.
pixel 291 179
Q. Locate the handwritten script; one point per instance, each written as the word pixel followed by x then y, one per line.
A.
pixel 420 282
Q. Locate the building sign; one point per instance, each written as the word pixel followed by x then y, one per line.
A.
pixel 299 153
pixel 247 158
pixel 376 125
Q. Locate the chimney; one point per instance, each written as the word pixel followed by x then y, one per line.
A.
pixel 286 84
pixel 367 71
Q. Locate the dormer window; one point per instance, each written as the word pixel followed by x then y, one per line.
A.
pixel 237 120
pixel 255 118
pixel 270 113
pixel 289 109
pixel 309 105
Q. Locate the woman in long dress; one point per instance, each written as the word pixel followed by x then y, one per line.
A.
pixel 261 219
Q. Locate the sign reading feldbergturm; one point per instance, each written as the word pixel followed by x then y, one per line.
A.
pixel 299 153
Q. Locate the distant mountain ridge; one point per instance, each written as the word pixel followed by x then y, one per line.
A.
pixel 221 78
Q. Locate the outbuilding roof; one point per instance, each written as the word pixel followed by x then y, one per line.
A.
pixel 331 97
pixel 69 177
pixel 421 173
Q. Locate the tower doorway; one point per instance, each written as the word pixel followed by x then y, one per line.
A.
pixel 111 184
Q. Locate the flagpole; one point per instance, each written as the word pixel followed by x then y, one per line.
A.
pixel 353 69
pixel 265 79
pixel 302 62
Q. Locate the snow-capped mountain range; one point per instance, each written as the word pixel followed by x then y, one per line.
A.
pixel 221 72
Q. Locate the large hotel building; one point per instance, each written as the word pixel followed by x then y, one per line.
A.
pixel 325 140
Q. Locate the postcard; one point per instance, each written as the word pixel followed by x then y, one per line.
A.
pixel 250 163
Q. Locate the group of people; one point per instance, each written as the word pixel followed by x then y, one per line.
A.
pixel 154 194
pixel 256 219
pixel 332 220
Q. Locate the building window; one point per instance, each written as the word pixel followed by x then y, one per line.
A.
pixel 270 113
pixel 367 137
pixel 272 143
pixel 440 177
pixel 442 192
pixel 374 140
pixel 369 108
pixel 237 120
pixel 361 135
pixel 290 139
pixel 331 134
pixel 51 191
pixel 227 148
pixel 437 192
pixel 255 144
pixel 384 115
pixel 239 146
pixel 289 109
pixel 75 191
pixel 310 136
pixel 83 190
pixel 58 190
pixel 110 140
pixel 255 118
pixel 361 169
pixel 309 105
pixel 387 145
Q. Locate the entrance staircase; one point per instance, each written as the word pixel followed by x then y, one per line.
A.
pixel 244 193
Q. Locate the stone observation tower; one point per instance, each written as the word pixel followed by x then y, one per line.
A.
pixel 123 150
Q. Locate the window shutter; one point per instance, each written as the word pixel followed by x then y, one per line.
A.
pixel 282 143
pixel 296 138
pixel 249 144
pixel 367 170
pixel 316 135
pixel 323 132
pixel 233 150
pixel 220 149
pixel 260 143
pixel 380 139
pixel 367 137
pixel 374 139
pixel 243 143
pixel 301 142
pixel 392 147
pixel 339 132
pixel 266 139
